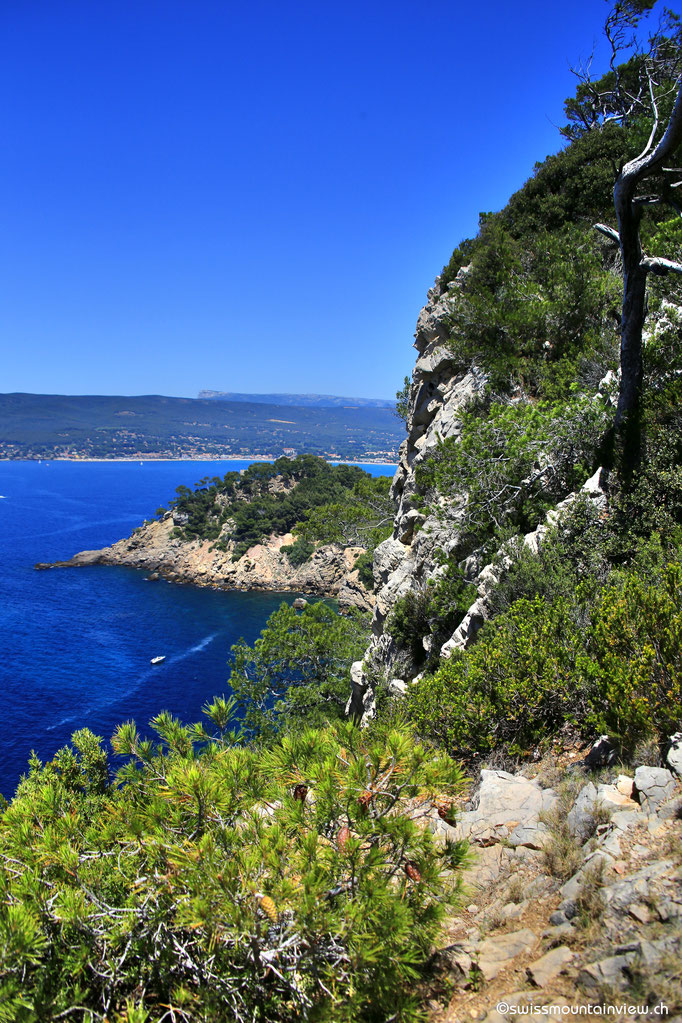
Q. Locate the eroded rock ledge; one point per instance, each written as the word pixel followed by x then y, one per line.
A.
pixel 330 572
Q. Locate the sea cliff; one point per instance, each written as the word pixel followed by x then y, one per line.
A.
pixel 330 572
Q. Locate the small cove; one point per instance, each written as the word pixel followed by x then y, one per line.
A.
pixel 77 643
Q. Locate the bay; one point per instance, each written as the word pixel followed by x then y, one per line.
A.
pixel 77 643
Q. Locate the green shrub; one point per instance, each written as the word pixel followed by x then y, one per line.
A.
pixel 575 550
pixel 408 623
pixel 364 569
pixel 536 312
pixel 512 462
pixel 227 882
pixel 298 672
pixel 298 552
pixel 403 400
pixel 603 659
pixel 450 596
pixel 635 658
pixel 431 614
pixel 511 689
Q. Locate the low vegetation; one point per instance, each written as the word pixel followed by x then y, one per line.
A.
pixel 602 659
pixel 209 880
pixel 320 502
pixel 512 462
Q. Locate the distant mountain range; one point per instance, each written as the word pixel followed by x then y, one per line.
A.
pixel 155 426
pixel 299 400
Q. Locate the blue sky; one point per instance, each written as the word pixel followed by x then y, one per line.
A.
pixel 255 197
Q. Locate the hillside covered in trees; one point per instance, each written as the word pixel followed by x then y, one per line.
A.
pixel 298 857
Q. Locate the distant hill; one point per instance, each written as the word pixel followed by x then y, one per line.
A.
pixel 300 400
pixel 154 426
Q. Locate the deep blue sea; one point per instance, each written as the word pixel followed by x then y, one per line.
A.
pixel 76 643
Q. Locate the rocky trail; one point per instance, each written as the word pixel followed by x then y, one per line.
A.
pixel 574 898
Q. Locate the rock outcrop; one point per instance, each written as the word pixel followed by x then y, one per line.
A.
pixel 439 392
pixel 153 548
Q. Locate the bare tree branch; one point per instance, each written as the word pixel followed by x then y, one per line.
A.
pixel 608 232
pixel 660 266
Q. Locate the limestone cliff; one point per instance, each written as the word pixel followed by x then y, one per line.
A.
pixel 441 389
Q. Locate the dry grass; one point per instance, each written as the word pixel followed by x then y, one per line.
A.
pixel 562 852
pixel 664 985
pixel 516 889
pixel 590 901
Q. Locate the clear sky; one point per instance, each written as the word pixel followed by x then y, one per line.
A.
pixel 256 196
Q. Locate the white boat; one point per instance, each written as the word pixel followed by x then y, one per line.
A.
pixel 158 660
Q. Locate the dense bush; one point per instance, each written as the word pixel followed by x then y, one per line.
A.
pixel 603 658
pixel 537 312
pixel 576 550
pixel 408 623
pixel 213 882
pixel 298 552
pixel 431 614
pixel 634 660
pixel 364 568
pixel 509 690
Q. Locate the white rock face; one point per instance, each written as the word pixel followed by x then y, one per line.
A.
pixel 674 757
pixel 653 785
pixel 440 391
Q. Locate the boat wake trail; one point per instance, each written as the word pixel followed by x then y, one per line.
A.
pixel 202 644
pixel 157 670
pixel 64 721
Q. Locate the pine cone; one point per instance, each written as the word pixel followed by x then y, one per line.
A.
pixel 446 812
pixel 342 837
pixel 300 792
pixel 412 871
pixel 269 908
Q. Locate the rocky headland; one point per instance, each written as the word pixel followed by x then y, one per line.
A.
pixel 157 550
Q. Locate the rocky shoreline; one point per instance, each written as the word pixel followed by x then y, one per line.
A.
pixel 153 548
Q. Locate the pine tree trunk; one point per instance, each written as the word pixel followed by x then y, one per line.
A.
pixel 632 323
pixel 635 268
pixel 634 296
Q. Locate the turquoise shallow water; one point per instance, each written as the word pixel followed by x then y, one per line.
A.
pixel 76 643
